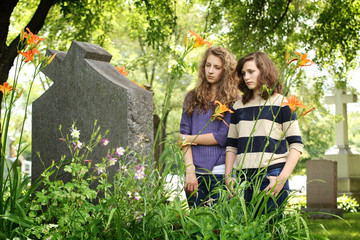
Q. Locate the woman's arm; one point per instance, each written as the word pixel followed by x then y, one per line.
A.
pixel 229 162
pixel 217 137
pixel 291 130
pixel 202 139
pixel 277 183
pixel 191 182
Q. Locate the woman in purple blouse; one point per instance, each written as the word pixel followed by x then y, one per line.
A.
pixel 205 157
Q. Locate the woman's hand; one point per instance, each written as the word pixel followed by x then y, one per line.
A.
pixel 191 183
pixel 275 185
pixel 230 182
pixel 184 141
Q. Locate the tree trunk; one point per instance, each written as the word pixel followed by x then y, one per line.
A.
pixel 160 144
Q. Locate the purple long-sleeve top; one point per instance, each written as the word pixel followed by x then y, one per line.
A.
pixel 206 156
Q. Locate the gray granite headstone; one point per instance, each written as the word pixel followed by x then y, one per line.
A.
pixel 88 88
pixel 321 189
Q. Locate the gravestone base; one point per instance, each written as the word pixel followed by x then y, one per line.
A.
pixel 323 213
pixel 348 161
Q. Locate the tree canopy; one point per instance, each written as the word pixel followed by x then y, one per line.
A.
pixel 144 35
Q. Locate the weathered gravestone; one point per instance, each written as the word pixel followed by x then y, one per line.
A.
pixel 321 189
pixel 348 159
pixel 88 88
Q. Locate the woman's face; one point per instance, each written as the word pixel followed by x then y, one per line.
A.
pixel 251 75
pixel 213 69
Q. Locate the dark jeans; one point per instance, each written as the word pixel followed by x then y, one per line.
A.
pixel 261 179
pixel 208 190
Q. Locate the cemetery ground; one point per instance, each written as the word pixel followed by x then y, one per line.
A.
pixel 347 227
pixel 336 229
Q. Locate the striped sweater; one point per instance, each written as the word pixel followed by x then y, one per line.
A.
pixel 272 134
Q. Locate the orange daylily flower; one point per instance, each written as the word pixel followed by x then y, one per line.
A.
pixel 33 39
pixel 219 110
pixel 5 88
pixel 304 61
pixel 293 103
pixel 307 110
pixel 29 55
pixel 122 70
pixel 199 40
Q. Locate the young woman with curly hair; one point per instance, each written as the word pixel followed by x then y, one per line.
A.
pixel 205 157
pixel 262 146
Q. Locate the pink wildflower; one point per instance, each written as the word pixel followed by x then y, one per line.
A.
pixel 139 173
pixel 100 169
pixel 120 151
pixel 140 167
pixel 77 145
pixel 112 160
pixel 139 216
pixel 129 194
pixel 136 196
pixel 123 169
pixel 75 133
pixel 105 141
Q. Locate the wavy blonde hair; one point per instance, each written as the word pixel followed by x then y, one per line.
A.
pixel 269 75
pixel 227 92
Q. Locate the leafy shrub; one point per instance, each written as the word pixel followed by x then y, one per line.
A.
pixel 297 202
pixel 348 204
pixel 78 209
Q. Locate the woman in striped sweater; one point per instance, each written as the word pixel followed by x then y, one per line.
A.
pixel 266 141
pixel 205 158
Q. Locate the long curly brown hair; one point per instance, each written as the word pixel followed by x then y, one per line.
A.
pixel 227 91
pixel 269 75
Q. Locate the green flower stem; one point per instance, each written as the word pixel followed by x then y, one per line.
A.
pixel 37 72
pixel 7 116
pixel 176 74
pixel 4 130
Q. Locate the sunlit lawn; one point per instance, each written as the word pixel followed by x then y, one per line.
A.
pixel 339 229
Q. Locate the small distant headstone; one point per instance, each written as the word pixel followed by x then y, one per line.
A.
pixel 321 190
pixel 88 88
